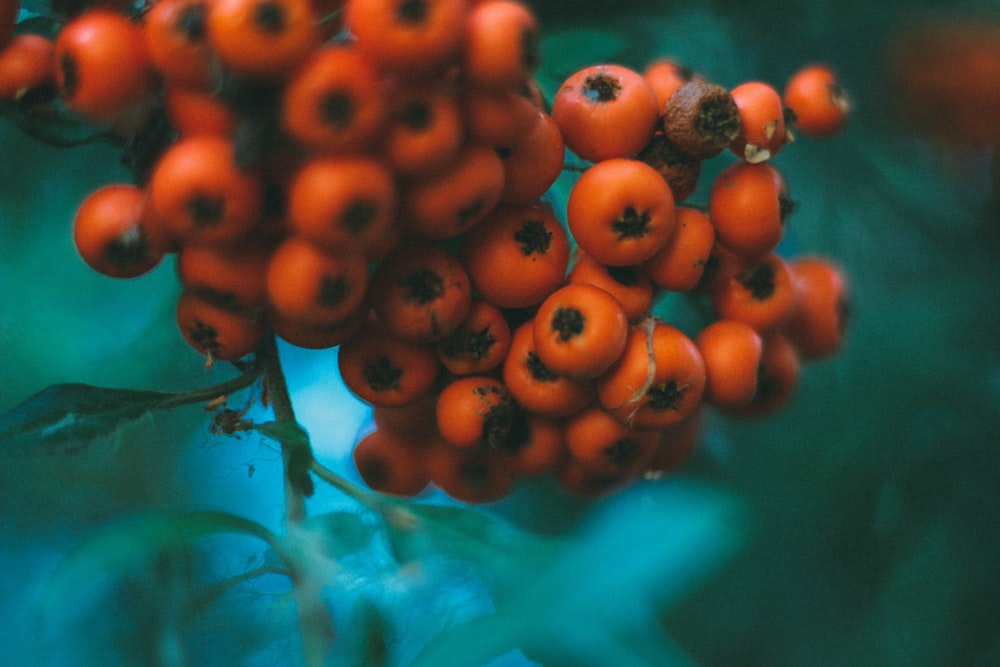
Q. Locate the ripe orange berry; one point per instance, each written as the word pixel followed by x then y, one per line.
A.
pixel 731 351
pixel 112 235
pixel 759 293
pixel 342 204
pixel 479 475
pixel 580 331
pixel 747 208
pixel 605 111
pixel 479 344
pixel 417 38
pixel 232 276
pixel 665 76
pixel 425 131
pixel 102 68
pixel 335 102
pixel 478 411
pixel 534 386
pixel 816 326
pixel 517 256
pixel 680 264
pixel 620 211
pixel 501 44
pixel 178 45
pixel 601 443
pixel 658 380
pixel 533 163
pixel 762 118
pixel 420 292
pixel 457 199
pixel 220 334
pixel 630 285
pixel 25 65
pixel 201 195
pixel 306 284
pixel 819 104
pixel 384 370
pixel 777 377
pixel 390 463
pixel 262 39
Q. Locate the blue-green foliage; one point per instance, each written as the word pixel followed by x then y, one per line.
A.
pixel 858 526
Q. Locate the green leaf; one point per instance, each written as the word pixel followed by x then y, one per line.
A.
pixel 114 547
pixel 502 552
pixel 66 418
pixel 342 533
pixel 593 605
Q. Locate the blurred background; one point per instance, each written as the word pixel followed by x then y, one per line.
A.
pixel 858 526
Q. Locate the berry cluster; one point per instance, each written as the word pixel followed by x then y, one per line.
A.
pixel 370 174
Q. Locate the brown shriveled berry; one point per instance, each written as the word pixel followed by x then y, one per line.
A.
pixel 701 119
pixel 678 169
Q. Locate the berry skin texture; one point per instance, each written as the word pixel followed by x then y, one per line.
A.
pixel 760 293
pixel 658 381
pixel 342 203
pixel 501 44
pixel 731 351
pixel 665 77
pixel 25 65
pixel 308 285
pixel 335 102
pixel 262 39
pixel 420 292
pixel 457 199
pixel 533 163
pixel 745 207
pixel 475 476
pixel 630 285
pixel 680 263
pixel 580 331
pixel 111 235
pixel 201 195
pixel 102 68
pixel 383 370
pixel 819 103
pixel 416 38
pixel 777 377
pixel 534 386
pixel 816 326
pixel 762 119
pixel 477 410
pixel 620 212
pixel 517 256
pixel 480 343
pixel 390 463
pixel 425 131
pixel 605 111
pixel 233 277
pixel 602 444
pixel 177 41
pixel 220 334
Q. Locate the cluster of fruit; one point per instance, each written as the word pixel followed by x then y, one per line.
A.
pixel 370 174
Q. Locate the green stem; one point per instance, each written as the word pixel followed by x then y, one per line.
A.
pixel 315 624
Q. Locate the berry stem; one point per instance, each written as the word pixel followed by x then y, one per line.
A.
pixel 315 623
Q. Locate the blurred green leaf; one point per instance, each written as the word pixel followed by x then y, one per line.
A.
pixel 597 603
pixel 502 552
pixel 67 418
pixel 342 533
pixel 114 547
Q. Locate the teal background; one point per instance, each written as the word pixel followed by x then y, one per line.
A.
pixel 856 527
